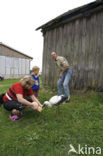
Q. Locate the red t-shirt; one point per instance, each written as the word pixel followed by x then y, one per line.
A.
pixel 17 88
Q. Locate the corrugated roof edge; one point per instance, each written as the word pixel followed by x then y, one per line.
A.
pixel 15 50
pixel 70 12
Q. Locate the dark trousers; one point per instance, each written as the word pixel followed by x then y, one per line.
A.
pixel 10 105
pixel 36 93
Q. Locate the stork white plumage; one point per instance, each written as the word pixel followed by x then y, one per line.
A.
pixel 55 100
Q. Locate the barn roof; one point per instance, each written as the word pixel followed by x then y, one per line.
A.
pixel 70 15
pixel 15 50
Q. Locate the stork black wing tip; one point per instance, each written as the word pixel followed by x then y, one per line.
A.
pixel 63 99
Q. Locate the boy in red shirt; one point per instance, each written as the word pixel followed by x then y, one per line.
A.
pixel 14 99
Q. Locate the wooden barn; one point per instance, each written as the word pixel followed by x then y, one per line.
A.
pixel 13 64
pixel 78 36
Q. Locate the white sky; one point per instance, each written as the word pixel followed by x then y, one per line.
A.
pixel 20 18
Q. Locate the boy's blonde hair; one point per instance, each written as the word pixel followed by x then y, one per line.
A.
pixel 35 68
pixel 27 80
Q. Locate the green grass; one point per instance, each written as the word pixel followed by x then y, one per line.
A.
pixel 4 85
pixel 49 134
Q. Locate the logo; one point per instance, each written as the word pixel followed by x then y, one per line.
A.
pixel 85 150
pixel 72 149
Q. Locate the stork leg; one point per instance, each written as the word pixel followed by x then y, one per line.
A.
pixel 57 110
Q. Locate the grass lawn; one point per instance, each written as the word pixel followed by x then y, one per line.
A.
pixel 49 134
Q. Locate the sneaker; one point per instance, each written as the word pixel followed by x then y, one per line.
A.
pixel 68 100
pixel 14 117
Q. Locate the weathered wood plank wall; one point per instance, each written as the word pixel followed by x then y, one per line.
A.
pixel 81 42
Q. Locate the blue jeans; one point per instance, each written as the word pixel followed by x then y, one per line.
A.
pixel 63 82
